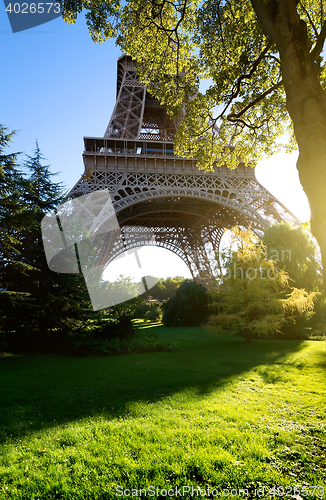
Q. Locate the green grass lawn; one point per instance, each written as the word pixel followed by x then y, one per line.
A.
pixel 214 413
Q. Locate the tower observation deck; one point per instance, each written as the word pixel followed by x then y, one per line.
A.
pixel 160 198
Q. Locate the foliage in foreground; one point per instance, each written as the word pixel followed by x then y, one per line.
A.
pixel 214 413
pixel 255 299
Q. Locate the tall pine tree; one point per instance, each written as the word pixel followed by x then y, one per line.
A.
pixel 14 215
pixel 54 304
pixel 14 218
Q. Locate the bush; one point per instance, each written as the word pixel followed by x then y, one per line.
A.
pixel 113 339
pixel 154 314
pixel 188 307
pixel 123 328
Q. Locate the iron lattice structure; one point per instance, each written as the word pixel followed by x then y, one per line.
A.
pixel 156 193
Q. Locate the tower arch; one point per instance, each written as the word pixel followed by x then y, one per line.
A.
pixel 160 198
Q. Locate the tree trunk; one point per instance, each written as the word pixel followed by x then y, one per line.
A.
pixel 305 102
pixel 248 335
pixel 246 315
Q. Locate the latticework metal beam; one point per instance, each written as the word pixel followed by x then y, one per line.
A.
pixel 154 192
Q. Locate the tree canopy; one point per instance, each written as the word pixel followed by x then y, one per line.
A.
pixel 181 43
pixel 165 288
pixel 262 62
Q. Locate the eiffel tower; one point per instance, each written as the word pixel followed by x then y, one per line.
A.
pixel 155 192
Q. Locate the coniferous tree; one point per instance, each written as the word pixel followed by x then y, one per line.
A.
pixel 54 304
pixel 188 307
pixel 41 195
pixel 14 218
pixel 294 251
pixel 255 298
pixel 14 215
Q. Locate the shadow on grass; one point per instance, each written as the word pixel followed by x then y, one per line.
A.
pixel 42 391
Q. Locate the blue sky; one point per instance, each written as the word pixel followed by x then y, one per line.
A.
pixel 58 86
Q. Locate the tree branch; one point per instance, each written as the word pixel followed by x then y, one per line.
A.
pixel 253 69
pixel 235 94
pixel 234 117
pixel 315 53
pixel 310 20
pixel 252 127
